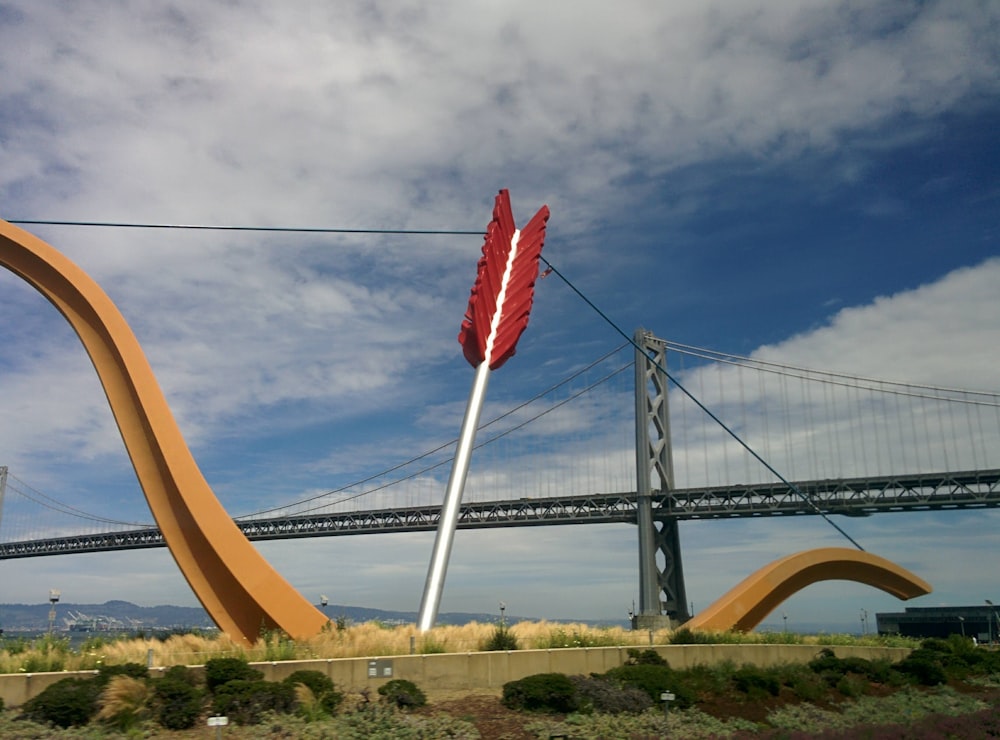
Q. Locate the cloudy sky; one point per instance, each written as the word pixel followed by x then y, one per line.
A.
pixel 808 182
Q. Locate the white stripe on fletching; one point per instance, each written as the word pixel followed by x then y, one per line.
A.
pixel 502 296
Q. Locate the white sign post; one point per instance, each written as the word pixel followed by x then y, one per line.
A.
pixel 666 697
pixel 218 723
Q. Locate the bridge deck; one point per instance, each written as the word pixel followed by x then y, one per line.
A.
pixel 849 497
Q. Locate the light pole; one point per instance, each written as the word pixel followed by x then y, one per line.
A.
pixel 990 618
pixel 961 621
pixel 53 600
pixel 864 621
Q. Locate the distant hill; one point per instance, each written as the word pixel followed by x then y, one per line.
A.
pixel 117 614
pixel 131 617
pixel 126 615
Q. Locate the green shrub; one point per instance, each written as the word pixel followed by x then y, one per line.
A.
pixel 860 666
pixel 133 670
pixel 321 686
pixel 853 686
pixel 15 645
pixel 542 692
pixel 177 700
pixel 66 703
pixel 185 674
pixel 703 679
pixel 833 669
pixel 596 694
pixel 826 660
pixel 646 657
pixel 756 682
pixel 923 667
pixel 220 671
pixel 402 693
pixel 936 644
pixel 686 636
pixel 882 671
pixel 686 685
pixel 246 702
pixel 806 685
pixel 652 679
pixel 501 639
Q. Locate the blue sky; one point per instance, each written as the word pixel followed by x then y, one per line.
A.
pixel 811 180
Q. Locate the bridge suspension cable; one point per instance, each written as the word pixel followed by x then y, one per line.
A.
pixel 53 504
pixel 913 390
pixel 806 499
pixel 48 502
pixel 450 443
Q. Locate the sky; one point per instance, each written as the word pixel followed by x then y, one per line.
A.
pixel 807 182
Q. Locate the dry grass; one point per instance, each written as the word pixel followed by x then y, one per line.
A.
pixel 124 701
pixel 369 639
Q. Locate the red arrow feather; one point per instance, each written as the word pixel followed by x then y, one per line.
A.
pixel 505 286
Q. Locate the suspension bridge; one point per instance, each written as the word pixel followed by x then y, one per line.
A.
pixel 614 441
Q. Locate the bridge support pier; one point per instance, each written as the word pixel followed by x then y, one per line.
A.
pixel 662 596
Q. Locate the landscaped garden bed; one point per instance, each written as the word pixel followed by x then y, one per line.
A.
pixel 944 688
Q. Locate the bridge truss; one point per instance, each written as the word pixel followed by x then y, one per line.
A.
pixel 849 497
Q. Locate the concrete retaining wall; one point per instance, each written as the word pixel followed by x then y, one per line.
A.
pixel 485 671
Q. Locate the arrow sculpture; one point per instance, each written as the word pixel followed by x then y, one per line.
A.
pixel 495 319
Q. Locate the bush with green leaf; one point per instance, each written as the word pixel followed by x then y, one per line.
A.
pixel 220 671
pixel 756 682
pixel 133 670
pixel 652 679
pixel 501 639
pixel 923 666
pixel 541 692
pixel 852 685
pixel 177 699
pixel 70 702
pixel 703 679
pixel 806 684
pixel 834 669
pixel 402 694
pixel 322 689
pixel 645 657
pixel 597 694
pixel 246 702
pixel 687 636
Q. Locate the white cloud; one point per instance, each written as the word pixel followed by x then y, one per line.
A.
pixel 291 361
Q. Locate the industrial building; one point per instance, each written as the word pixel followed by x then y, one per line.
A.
pixel 980 622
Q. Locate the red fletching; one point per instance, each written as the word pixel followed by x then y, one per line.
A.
pixel 505 286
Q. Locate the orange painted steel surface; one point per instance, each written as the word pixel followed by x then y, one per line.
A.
pixel 744 606
pixel 238 588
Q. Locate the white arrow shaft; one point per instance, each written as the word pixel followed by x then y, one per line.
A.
pixel 434 585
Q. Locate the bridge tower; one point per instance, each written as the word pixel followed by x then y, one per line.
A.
pixel 3 488
pixel 662 597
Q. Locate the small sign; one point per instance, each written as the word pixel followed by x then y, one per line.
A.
pixel 218 721
pixel 380 668
pixel 667 696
